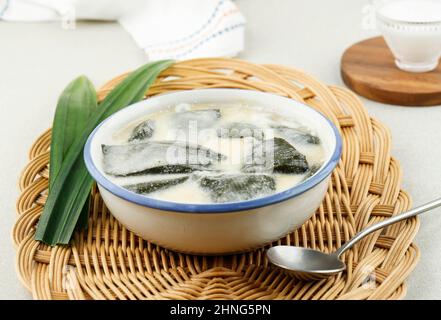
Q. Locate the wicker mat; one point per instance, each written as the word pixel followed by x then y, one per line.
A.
pixel 109 262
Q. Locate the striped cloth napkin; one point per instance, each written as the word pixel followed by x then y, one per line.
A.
pixel 164 29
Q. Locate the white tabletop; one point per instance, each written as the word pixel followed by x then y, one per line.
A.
pixel 38 60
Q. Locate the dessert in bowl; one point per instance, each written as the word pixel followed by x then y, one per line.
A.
pixel 213 171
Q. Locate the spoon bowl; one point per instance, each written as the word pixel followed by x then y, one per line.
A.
pixel 305 263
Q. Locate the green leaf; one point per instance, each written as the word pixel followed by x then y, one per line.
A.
pixel 71 187
pixel 76 104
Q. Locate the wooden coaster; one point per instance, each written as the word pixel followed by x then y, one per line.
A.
pixel 368 68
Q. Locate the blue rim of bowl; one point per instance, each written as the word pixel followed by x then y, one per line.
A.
pixel 227 207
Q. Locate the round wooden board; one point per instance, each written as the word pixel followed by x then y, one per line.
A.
pixel 368 68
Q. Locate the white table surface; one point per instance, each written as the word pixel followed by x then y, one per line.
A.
pixel 38 60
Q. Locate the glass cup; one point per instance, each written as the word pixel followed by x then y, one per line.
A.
pixel 412 30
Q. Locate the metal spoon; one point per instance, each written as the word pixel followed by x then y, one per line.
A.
pixel 309 264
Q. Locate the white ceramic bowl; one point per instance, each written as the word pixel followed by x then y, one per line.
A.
pixel 222 227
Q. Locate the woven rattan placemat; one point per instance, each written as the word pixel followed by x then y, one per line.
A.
pixel 109 262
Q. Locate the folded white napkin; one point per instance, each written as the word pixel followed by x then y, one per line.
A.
pixel 175 29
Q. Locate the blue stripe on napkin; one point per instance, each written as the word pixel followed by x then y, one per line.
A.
pixel 188 37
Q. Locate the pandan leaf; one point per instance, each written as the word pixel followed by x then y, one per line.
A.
pixel 71 187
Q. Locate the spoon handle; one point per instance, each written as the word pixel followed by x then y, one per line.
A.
pixel 408 214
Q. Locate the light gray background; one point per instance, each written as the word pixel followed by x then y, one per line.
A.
pixel 38 60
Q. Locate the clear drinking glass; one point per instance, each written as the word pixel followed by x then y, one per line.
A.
pixel 412 30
